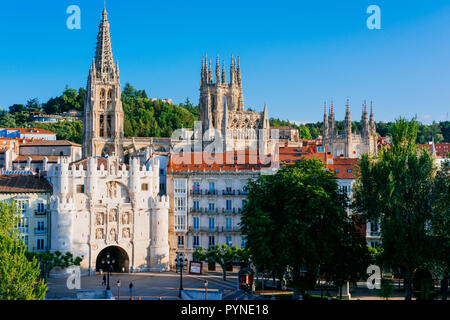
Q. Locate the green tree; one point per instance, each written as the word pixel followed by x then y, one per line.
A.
pixel 440 223
pixel 295 218
pixel 7 120
pixel 18 275
pixel 222 255
pixel 395 187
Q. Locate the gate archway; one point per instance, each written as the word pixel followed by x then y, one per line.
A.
pixel 120 257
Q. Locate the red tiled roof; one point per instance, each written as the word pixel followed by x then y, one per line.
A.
pixel 228 161
pixel 442 149
pixel 23 183
pixel 36 158
pixel 343 167
pixel 50 143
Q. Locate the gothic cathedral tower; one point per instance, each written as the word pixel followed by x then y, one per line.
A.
pixel 103 113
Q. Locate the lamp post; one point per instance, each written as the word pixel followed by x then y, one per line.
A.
pixel 118 289
pixel 181 262
pixel 206 288
pixel 109 264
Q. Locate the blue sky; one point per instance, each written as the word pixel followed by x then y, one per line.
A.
pixel 294 54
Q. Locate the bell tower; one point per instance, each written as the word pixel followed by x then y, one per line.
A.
pixel 103 112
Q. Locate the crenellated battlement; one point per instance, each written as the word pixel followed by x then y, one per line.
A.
pixel 160 202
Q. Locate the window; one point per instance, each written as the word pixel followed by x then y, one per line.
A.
pixel 40 244
pixel 195 223
pixel 23 225
pixel 180 204
pixel 229 224
pixel 211 241
pixel 80 188
pixel 195 241
pixel 243 242
pixel 144 187
pixel 180 185
pixel 180 222
pixel 108 126
pixel 196 205
pixel 22 206
pixel 40 226
pixel 228 241
pixel 337 170
pixel 229 204
pixel 161 172
pixel 320 149
pixel 162 187
pixel 211 223
pixel 211 207
pixel 180 241
pixel 101 126
pixel 212 187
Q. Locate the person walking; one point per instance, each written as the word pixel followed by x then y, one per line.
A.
pixel 131 290
pixel 104 280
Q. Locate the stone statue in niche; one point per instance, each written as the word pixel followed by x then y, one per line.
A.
pixel 99 218
pixel 126 233
pixel 113 216
pixel 99 234
pixel 126 218
pixel 112 234
pixel 112 190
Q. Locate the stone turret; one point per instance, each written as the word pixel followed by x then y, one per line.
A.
pixel 159 245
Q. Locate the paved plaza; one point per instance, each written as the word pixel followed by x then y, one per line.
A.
pixel 163 285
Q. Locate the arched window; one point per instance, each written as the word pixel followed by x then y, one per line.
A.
pixel 108 126
pixel 109 102
pixel 102 99
pixel 101 126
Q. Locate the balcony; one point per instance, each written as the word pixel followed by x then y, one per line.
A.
pixel 40 213
pixel 211 211
pixel 211 192
pixel 230 229
pixel 229 211
pixel 228 192
pixel 243 192
pixel 196 210
pixel 40 230
pixel 196 192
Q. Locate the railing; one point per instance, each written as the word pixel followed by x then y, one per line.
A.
pixel 196 210
pixel 243 192
pixel 211 211
pixel 196 191
pixel 230 229
pixel 230 211
pixel 40 230
pixel 211 192
pixel 373 233
pixel 228 192
pixel 39 213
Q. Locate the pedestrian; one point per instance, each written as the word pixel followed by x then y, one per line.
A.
pixel 104 280
pixel 131 290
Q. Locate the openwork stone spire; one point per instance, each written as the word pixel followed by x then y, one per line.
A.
pixel 104 62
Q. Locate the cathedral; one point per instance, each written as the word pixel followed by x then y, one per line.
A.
pixel 102 206
pixel 222 113
pixel 348 144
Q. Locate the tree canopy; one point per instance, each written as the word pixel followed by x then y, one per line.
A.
pixel 18 275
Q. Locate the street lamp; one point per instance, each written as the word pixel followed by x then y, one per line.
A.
pixel 181 262
pixel 206 288
pixel 118 289
pixel 109 264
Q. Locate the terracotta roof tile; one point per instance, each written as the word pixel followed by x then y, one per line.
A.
pixel 23 183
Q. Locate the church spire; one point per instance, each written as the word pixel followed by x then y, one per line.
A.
pixel 217 70
pixel 325 121
pixel 103 55
pixel 331 131
pixel 364 121
pixel 373 129
pixel 239 79
pixel 348 121
pixel 224 75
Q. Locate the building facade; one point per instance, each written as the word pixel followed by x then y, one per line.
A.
pixel 347 143
pixel 32 197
